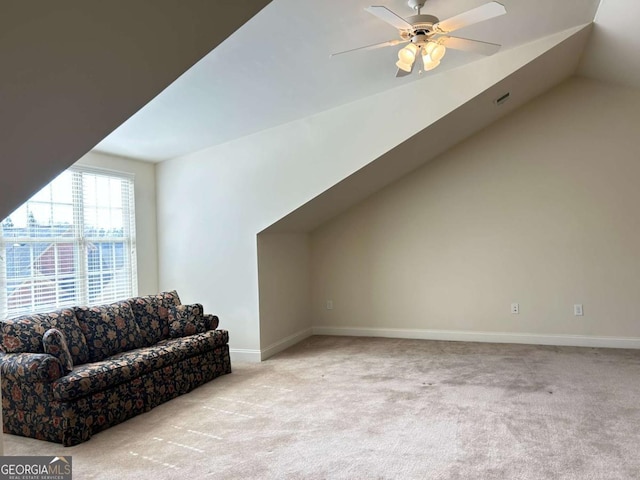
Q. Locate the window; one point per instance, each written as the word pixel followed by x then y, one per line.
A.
pixel 72 243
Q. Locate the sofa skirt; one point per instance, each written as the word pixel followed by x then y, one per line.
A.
pixel 71 422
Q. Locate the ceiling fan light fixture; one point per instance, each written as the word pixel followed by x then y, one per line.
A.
pixel 407 67
pixel 437 52
pixel 408 54
pixel 406 57
pixel 431 55
pixel 428 48
pixel 427 35
pixel 428 63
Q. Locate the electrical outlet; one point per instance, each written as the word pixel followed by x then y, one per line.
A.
pixel 515 308
pixel 329 304
pixel 577 310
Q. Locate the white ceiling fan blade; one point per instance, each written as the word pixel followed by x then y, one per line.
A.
pixel 475 15
pixel 390 43
pixel 467 45
pixel 386 15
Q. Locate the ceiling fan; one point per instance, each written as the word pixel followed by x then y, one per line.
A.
pixel 427 36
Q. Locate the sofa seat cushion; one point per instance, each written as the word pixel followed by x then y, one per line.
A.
pixel 152 315
pixel 24 334
pixel 97 376
pixel 123 367
pixel 109 329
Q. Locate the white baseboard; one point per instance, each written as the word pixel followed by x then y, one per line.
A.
pixel 256 356
pixel 244 355
pixel 285 343
pixel 487 337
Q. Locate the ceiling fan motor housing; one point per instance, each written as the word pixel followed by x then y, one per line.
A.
pixel 423 22
pixel 422 28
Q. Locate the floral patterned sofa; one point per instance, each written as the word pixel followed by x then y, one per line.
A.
pixel 69 374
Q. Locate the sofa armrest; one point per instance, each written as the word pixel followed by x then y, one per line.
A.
pixel 211 321
pixel 30 367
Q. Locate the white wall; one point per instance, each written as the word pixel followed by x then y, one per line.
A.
pixel 146 220
pixel 539 208
pixel 285 291
pixel 213 203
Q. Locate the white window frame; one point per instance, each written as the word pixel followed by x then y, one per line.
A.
pixel 82 243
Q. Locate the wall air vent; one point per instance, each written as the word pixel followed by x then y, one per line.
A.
pixel 501 99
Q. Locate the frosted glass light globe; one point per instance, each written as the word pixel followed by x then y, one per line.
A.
pixel 437 52
pixel 408 54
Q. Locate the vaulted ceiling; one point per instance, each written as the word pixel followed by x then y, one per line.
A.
pixel 73 71
pixel 72 74
pixel 276 68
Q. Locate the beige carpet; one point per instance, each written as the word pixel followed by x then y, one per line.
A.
pixel 359 408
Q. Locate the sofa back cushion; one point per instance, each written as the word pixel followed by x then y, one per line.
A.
pixel 24 334
pixel 109 329
pixel 152 315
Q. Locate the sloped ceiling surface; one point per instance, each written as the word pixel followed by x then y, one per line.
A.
pixel 524 84
pixel 73 71
pixel 277 69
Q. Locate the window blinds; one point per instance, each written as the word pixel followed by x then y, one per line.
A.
pixel 72 243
